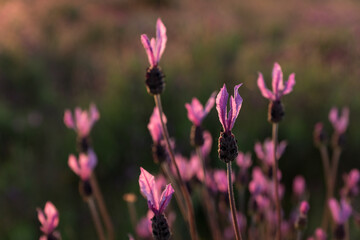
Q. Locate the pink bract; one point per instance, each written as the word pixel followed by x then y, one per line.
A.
pixel 155 47
pixel 265 152
pixel 299 186
pixel 148 189
pixel 227 120
pixel 154 125
pixel 196 112
pixel 84 166
pixel 83 120
pixel 340 123
pixel 304 207
pixel 49 219
pixel 279 88
pixel 340 213
pixel 244 160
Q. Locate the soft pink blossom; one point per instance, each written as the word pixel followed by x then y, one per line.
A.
pixel 259 183
pixel 83 120
pixel 154 125
pixel 279 88
pixel 299 185
pixel 227 120
pixel 340 123
pixel 304 208
pixel 184 166
pixel 265 152
pixel 220 179
pixel 351 183
pixel 196 112
pixel 320 234
pixel 148 189
pixel 49 218
pixel 244 160
pixel 84 166
pixel 229 231
pixel 340 213
pixel 155 47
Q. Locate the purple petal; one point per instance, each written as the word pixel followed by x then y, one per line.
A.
pixel 259 151
pixel 86 166
pixel 94 113
pixel 235 106
pixel 148 189
pixel 333 116
pixel 206 147
pixel 41 216
pixel 68 119
pixel 52 215
pixel 280 149
pixel 210 103
pixel 304 207
pixel 161 40
pixel 149 50
pixel 195 111
pixel 320 234
pixel 346 210
pixel 289 84
pixel 343 121
pixel 263 89
pixel 221 102
pixel 154 125
pixel 92 158
pixel 165 198
pixel 73 164
pixel 277 79
pixel 299 186
pixel 335 210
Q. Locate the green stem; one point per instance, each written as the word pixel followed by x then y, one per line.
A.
pixel 96 219
pixel 275 180
pixel 190 209
pixel 232 203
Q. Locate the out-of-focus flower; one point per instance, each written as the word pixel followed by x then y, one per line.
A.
pixel 184 166
pixel 304 208
pixel 83 120
pixel 196 112
pixel 351 181
pixel 49 219
pixel 220 179
pixel 259 183
pixel 320 135
pixel 279 88
pixel 244 160
pixel 228 120
pixel 340 123
pixel 229 231
pixel 155 47
pixel 299 185
pixel 143 227
pixel 84 166
pixel 148 189
pixel 265 152
pixel 340 213
pixel 320 234
pixel 154 125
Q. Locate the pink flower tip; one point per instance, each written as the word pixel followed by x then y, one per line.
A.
pixel 83 120
pixel 84 166
pixel 155 47
pixel 304 208
pixel 279 88
pixel 227 120
pixel 196 112
pixel 148 189
pixel 49 218
pixel 339 122
pixel 299 185
pixel 340 212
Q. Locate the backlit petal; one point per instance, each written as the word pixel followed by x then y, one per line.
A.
pixel 165 198
pixel 221 102
pixel 149 51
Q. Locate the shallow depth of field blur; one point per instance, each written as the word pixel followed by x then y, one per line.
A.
pixel 57 54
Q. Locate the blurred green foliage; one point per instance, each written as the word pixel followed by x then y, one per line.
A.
pixel 61 54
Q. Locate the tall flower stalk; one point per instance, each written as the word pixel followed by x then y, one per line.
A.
pixel 275 115
pixel 228 150
pixel 155 85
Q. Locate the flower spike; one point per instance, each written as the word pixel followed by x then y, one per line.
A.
pixel 84 166
pixel 196 112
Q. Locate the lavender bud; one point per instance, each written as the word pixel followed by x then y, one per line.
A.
pixel 196 136
pixel 155 83
pixel 160 227
pixel 228 150
pixel 276 111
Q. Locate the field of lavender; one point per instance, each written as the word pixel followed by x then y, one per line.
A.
pixel 58 57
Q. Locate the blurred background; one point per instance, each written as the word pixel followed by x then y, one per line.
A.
pixel 58 54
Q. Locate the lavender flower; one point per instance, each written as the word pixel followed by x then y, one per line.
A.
pixel 83 120
pixel 154 49
pixel 156 204
pixel 49 219
pixel 227 144
pixel 340 214
pixel 155 129
pixel 351 188
pixel 279 89
pixel 196 112
pixel 299 185
pixel 265 152
pixel 340 123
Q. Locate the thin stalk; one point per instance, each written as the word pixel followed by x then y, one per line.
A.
pixel 102 207
pixel 132 214
pixel 178 197
pixel 190 209
pixel 347 231
pixel 96 219
pixel 334 170
pixel 276 183
pixel 208 201
pixel 327 178
pixel 299 235
pixel 232 202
